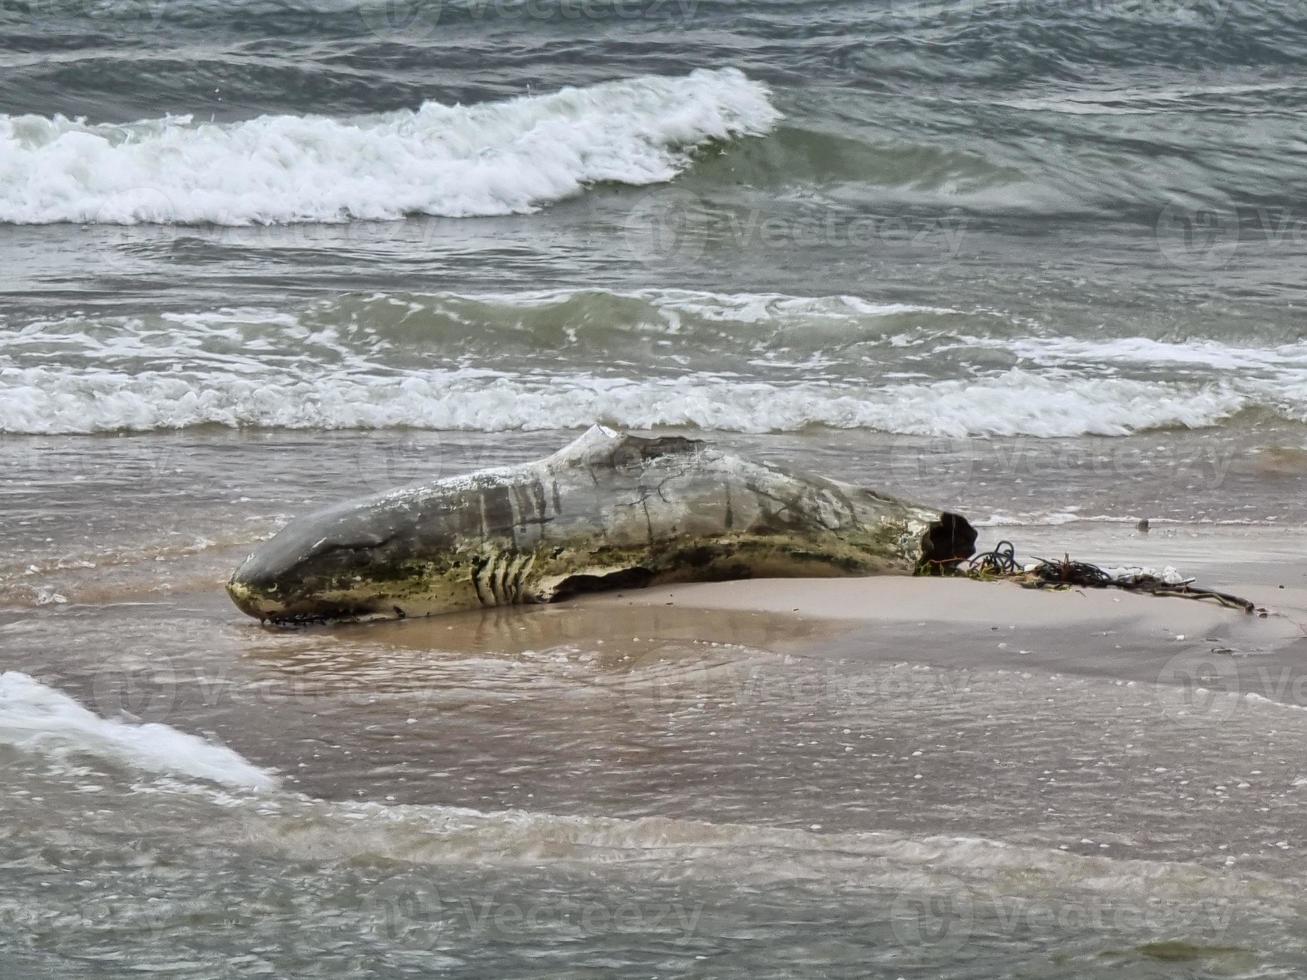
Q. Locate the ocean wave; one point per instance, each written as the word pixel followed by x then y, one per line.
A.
pixel 44 400
pixel 1192 354
pixel 650 328
pixel 37 718
pixel 737 852
pixel 408 331
pixel 744 362
pixel 955 173
pixel 449 160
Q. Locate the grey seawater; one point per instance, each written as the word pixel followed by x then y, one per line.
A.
pixel 667 803
pixel 1038 263
pixel 643 791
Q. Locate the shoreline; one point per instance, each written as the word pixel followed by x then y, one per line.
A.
pixel 963 623
pixel 955 624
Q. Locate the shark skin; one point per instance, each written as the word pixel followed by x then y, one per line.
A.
pixel 610 510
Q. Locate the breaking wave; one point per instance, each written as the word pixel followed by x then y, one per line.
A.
pixel 41 400
pixel 733 362
pixel 457 161
pixel 40 719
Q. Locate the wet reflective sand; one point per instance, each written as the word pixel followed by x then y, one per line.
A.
pixel 899 778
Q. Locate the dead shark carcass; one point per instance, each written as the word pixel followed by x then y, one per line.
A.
pixel 610 510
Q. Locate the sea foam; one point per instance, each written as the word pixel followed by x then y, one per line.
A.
pixel 52 400
pixel 451 160
pixel 743 362
pixel 37 718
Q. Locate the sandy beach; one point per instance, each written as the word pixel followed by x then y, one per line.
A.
pixel 949 770
pixel 1036 264
pixel 960 622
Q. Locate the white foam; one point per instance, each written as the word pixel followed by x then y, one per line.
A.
pixel 768 307
pixel 52 400
pixel 736 852
pixel 1140 99
pixel 451 160
pixel 1156 353
pixel 1254 697
pixel 368 363
pixel 1039 518
pixel 37 718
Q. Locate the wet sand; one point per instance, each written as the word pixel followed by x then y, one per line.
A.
pixel 1092 632
pixel 902 776
pixel 888 777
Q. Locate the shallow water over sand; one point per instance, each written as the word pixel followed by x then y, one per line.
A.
pixel 611 788
pixel 1037 263
pixel 626 790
